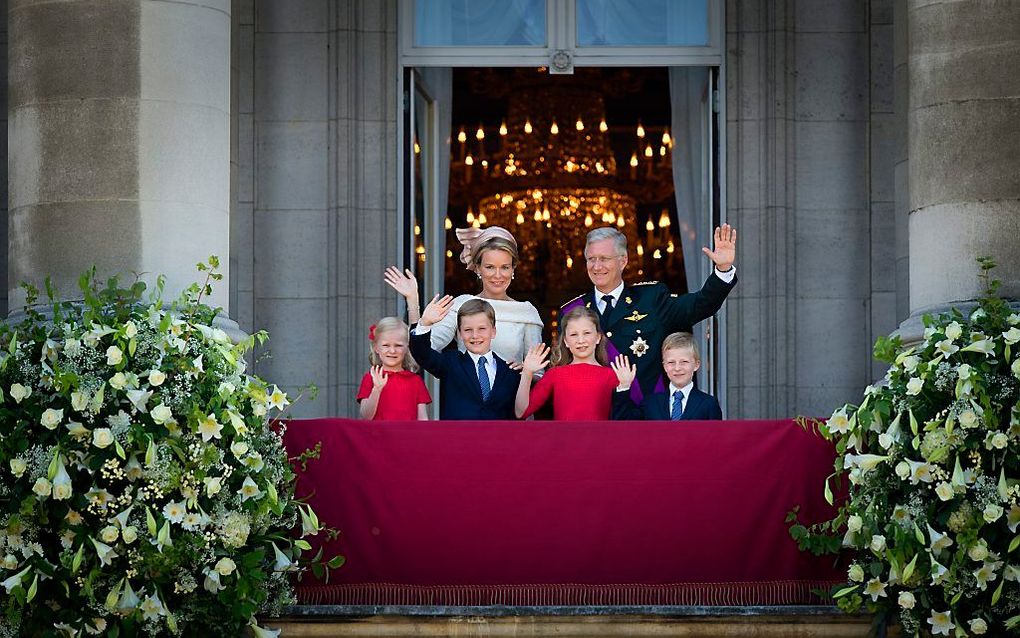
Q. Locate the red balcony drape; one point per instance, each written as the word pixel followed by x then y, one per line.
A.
pixel 557 513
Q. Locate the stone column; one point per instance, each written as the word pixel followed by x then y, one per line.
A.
pixel 119 140
pixel 964 165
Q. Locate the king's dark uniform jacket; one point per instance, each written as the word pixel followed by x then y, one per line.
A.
pixel 645 315
pixel 459 392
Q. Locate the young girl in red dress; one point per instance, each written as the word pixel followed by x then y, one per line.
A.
pixel 391 391
pixel 580 384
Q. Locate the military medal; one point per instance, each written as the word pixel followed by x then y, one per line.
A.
pixel 635 316
pixel 639 347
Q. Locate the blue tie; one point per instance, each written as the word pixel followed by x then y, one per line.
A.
pixel 678 406
pixel 483 379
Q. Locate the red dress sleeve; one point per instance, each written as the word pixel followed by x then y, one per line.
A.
pixel 541 392
pixel 422 392
pixel 366 387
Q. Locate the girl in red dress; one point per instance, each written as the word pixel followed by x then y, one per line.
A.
pixel 579 383
pixel 391 391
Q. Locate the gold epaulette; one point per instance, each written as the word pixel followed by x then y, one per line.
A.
pixel 645 283
pixel 563 305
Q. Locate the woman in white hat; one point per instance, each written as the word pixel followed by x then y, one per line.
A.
pixel 491 253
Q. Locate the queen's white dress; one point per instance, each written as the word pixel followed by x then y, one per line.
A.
pixel 518 327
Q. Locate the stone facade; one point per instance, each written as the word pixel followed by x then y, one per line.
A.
pixel 864 172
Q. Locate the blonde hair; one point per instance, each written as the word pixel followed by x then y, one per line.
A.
pixel 561 354
pixel 495 243
pixel 681 340
pixel 384 325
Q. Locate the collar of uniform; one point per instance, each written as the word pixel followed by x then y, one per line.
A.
pixel 617 293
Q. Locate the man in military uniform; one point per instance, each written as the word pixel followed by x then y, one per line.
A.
pixel 637 318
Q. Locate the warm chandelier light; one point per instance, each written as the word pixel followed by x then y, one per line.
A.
pixel 550 182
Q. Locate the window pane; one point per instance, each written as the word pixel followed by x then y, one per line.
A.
pixel 642 23
pixel 459 23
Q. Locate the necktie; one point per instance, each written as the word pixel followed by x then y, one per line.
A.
pixel 604 317
pixel 678 406
pixel 483 379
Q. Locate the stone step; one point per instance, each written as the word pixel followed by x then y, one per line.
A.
pixel 572 622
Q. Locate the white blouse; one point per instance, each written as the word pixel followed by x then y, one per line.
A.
pixel 518 327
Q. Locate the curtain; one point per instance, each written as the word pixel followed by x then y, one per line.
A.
pixel 688 89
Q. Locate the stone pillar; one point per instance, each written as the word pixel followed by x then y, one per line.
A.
pixel 964 191
pixel 119 140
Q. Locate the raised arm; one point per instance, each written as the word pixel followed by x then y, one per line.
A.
pixel 420 344
pixel 406 285
pixel 536 359
pixel 371 403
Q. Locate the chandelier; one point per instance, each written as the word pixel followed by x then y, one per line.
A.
pixel 550 174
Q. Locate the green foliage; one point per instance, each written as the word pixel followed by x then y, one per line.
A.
pixel 932 455
pixel 145 489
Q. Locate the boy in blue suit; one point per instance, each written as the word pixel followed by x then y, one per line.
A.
pixel 681 401
pixel 474 385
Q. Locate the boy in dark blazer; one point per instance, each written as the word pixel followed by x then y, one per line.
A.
pixel 681 401
pixel 474 385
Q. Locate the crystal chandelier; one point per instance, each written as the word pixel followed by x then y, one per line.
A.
pixel 549 174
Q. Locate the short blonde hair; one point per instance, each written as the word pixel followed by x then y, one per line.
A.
pixel 389 324
pixel 681 340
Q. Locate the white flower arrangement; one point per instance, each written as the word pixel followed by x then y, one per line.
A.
pixel 145 490
pixel 931 521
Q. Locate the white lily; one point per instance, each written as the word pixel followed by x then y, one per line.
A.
pixel 61 482
pixel 105 552
pixel 152 607
pixel 139 399
pixel 209 428
pixel 938 541
pixel 249 489
pixel 941 622
pixel 985 575
pixel 128 600
pixel 839 422
pixel 212 581
pixel 261 632
pixel 920 472
pixel 15 580
pixel 982 346
pixel 283 563
pixel 875 588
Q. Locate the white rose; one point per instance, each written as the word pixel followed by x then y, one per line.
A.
pixel 10 562
pixel 906 600
pixel 161 414
pixel 992 513
pixel 903 469
pixel 19 392
pixel 79 401
pixel 51 418
pixel 1000 440
pixel 130 329
pixel 102 437
pixel 978 551
pixel 954 331
pixel 62 490
pixel 213 485
pixel 42 487
pixel 18 466
pixel 114 356
pixel 978 626
pixel 109 534
pixel 910 363
pixel 877 543
pixel 239 448
pixel 72 347
pixel 914 386
pixel 968 419
pixel 129 534
pixel 944 491
pixel 854 523
pixel 119 381
pixel 1016 368
pixel 156 378
pixel 856 573
pixel 225 566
